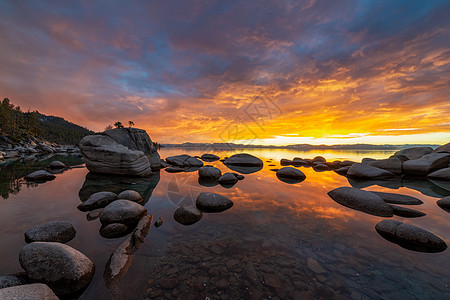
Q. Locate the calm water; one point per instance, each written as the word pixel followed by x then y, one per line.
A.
pixel 278 241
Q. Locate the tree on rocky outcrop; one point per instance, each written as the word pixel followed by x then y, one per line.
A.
pixel 130 123
pixel 108 127
pixel 118 125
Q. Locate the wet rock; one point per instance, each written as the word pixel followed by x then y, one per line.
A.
pixel 228 178
pixel 13 280
pixel 426 164
pixel 319 167
pixel 314 266
pixel 406 212
pixel 211 202
pixel 35 291
pixel 56 164
pixel 414 153
pixel 130 195
pixel 244 159
pixel 393 165
pixel 442 174
pixel 187 215
pixel 361 200
pixel 59 231
pixel 64 269
pixel 94 214
pixel 444 202
pixel 398 198
pixel 122 211
pixel 347 163
pixel 410 237
pixel 184 161
pixel 174 169
pixel 209 172
pixel 40 176
pixel 239 176
pixel 285 162
pixel 342 170
pixel 159 222
pixel 244 169
pixel 291 173
pixel 120 260
pixel 319 159
pixel 209 157
pixel 97 200
pixel 367 171
pixel 113 230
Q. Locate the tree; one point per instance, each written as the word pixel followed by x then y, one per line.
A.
pixel 130 123
pixel 108 127
pixel 118 125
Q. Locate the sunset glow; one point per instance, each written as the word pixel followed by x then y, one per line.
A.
pixel 276 72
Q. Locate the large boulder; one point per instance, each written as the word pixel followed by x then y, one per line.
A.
pixel 40 176
pixel 364 201
pixel 98 200
pixel 58 231
pixel 243 160
pixel 414 152
pixel 122 151
pixel 35 291
pixel 443 148
pixel 444 202
pixel 361 170
pixel 398 198
pixel 187 215
pixel 393 165
pixel 426 164
pixel 410 236
pixel 122 211
pixel 442 174
pixel 211 202
pixel 64 269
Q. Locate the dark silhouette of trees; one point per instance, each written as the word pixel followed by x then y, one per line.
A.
pixel 109 127
pixel 118 125
pixel 130 123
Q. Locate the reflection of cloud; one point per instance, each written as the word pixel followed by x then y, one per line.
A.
pixel 185 70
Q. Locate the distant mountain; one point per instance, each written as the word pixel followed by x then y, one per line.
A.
pixel 300 147
pixel 58 130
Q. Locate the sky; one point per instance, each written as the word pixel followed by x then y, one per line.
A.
pixel 261 72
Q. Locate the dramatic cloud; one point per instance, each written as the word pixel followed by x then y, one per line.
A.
pixel 274 71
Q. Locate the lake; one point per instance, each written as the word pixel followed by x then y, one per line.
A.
pixel 278 241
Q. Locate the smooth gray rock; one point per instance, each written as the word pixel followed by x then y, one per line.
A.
pixel 40 175
pixel 367 160
pixel 393 165
pixel 194 162
pixel 209 157
pixel 97 200
pixel 364 201
pixel 122 211
pixel 367 171
pixel 212 202
pixel 174 169
pixel 178 160
pixel 443 148
pixel 64 269
pixel 346 163
pixel 35 291
pixel 187 215
pixel 121 151
pixel 244 160
pixel 94 214
pixel 409 236
pixel 342 170
pixel 228 178
pixel 130 195
pixel 290 172
pixel 414 152
pixel 209 172
pixel 13 280
pixel 58 231
pixel 398 198
pixel 113 230
pixel 442 174
pixel 56 164
pixel 444 202
pixel 426 164
pixel 406 212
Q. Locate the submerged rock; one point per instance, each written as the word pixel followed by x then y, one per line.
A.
pixel 59 231
pixel 35 291
pixel 410 237
pixel 122 151
pixel 406 212
pixel 122 211
pixel 211 202
pixel 361 200
pixel 56 164
pixel 244 160
pixel 64 269
pixel 187 215
pixel 367 171
pixel 426 164
pixel 130 195
pixel 40 175
pixel 228 178
pixel 113 230
pixel 209 172
pixel 97 200
pixel 398 198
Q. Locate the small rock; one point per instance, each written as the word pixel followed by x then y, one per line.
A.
pixel 211 202
pixel 94 214
pixel 228 178
pixel 398 198
pixel 40 175
pixel 442 174
pixel 406 212
pixel 97 200
pixel 174 169
pixel 209 172
pixel 209 157
pixel 187 215
pixel 367 171
pixel 56 164
pixel 113 230
pixel 35 291
pixel 13 280
pixel 444 202
pixel 314 266
pixel 159 222
pixel 319 159
pixel 59 231
pixel 130 195
pixel 244 159
pixel 122 211
pixel 290 172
